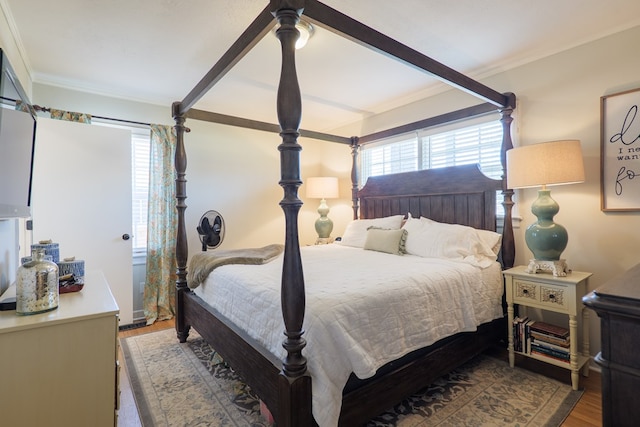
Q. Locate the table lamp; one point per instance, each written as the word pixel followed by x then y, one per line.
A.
pixel 323 187
pixel 545 164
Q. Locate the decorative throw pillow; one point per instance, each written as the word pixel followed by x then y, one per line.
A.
pixel 384 240
pixel 356 232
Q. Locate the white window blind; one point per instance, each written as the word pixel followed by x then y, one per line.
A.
pixel 140 189
pixel 470 145
pixel 393 157
pixel 478 143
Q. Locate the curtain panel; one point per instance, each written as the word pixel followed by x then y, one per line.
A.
pixel 159 291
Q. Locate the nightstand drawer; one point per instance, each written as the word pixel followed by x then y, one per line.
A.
pixel 541 294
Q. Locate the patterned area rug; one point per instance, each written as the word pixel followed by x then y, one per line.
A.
pixel 189 385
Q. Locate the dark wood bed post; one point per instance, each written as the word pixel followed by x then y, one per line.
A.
pixel 355 148
pixel 182 250
pixel 294 390
pixel 508 241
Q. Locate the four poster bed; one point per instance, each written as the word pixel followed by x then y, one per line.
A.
pixel 298 384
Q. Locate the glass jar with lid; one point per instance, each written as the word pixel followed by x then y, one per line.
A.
pixel 37 285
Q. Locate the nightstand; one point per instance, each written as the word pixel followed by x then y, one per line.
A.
pixel 559 294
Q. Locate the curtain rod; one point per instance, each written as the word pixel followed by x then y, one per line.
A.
pixel 133 122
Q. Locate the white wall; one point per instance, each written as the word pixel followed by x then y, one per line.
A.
pixel 232 170
pixel 559 98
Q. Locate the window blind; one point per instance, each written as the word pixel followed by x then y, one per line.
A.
pixel 478 143
pixel 140 148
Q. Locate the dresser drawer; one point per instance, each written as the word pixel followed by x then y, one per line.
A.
pixel 541 294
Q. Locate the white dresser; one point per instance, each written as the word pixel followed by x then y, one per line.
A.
pixel 60 368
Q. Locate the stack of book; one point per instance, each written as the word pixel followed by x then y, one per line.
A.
pixel 521 334
pixel 549 340
pixel 540 338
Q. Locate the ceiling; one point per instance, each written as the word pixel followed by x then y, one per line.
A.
pixel 156 51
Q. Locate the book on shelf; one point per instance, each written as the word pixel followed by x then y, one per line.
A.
pixel 559 354
pixel 562 342
pixel 565 359
pixel 550 329
pixel 543 343
pixel 520 333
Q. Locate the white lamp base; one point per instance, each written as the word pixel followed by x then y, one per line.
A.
pixel 558 267
pixel 324 240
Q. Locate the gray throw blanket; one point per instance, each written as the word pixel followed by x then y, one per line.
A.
pixel 203 263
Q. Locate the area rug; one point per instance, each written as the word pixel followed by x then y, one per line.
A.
pixel 190 385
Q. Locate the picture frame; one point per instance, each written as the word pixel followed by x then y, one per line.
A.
pixel 620 151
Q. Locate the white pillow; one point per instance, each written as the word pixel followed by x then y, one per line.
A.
pixel 490 238
pixel 431 239
pixel 356 232
pixel 416 234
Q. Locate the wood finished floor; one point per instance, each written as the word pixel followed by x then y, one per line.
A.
pixel 587 412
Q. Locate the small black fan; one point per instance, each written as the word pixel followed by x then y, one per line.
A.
pixel 211 230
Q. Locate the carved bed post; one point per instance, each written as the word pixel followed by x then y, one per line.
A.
pixel 508 242
pixel 354 175
pixel 182 251
pixel 294 408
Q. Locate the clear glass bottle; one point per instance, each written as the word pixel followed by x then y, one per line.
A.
pixel 37 285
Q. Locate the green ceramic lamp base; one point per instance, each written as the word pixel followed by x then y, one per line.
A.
pixel 546 239
pixel 324 225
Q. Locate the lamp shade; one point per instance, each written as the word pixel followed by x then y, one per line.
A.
pixel 322 187
pixel 547 163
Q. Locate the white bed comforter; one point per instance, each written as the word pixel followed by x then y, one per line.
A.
pixel 364 309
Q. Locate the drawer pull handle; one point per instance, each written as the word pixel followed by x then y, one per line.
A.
pixel 552 296
pixel 525 291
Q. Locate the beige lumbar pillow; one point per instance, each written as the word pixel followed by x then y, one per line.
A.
pixel 383 240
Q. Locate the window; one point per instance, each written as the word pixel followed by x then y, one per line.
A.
pixel 140 147
pixel 470 145
pixel 436 148
pixel 390 157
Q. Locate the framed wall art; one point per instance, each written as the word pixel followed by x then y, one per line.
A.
pixel 620 151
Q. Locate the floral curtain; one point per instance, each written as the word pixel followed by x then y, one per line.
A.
pixel 70 116
pixel 159 291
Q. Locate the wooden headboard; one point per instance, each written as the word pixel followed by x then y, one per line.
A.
pixel 456 195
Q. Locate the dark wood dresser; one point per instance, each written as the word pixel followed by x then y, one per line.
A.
pixel 617 303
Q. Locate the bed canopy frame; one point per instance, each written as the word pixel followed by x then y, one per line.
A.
pixel 289 398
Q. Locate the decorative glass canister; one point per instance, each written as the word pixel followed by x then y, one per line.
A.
pixel 37 285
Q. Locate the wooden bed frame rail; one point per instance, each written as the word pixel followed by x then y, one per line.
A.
pixel 287 390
